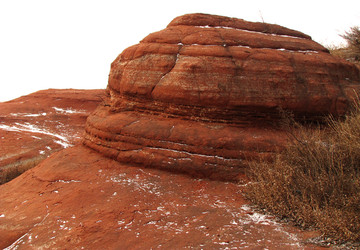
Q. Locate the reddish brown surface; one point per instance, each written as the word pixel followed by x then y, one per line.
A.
pixel 34 126
pixel 80 199
pixel 204 94
pixel 212 150
pixel 195 100
pixel 236 70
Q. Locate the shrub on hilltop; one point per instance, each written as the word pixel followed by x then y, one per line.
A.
pixel 353 39
pixel 351 52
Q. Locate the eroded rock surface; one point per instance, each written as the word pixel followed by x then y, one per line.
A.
pixel 198 97
pixel 79 199
pixel 34 126
pixel 204 94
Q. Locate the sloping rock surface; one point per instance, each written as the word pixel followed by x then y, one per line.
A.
pixel 34 126
pixel 78 199
pixel 204 94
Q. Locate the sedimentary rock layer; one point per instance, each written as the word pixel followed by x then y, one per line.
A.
pixel 190 63
pixel 202 149
pixel 205 93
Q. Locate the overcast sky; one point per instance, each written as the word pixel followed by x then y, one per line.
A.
pixel 71 43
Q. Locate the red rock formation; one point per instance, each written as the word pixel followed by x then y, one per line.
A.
pixel 197 113
pixel 203 94
pixel 79 199
pixel 34 126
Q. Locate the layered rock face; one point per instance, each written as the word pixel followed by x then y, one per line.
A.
pixel 204 94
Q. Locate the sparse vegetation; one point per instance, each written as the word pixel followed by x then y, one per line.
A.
pixel 16 169
pixel 351 52
pixel 315 182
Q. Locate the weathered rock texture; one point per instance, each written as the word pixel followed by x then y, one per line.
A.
pixel 79 199
pixel 197 97
pixel 204 94
pixel 33 127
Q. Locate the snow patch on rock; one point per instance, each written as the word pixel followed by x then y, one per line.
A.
pixel 27 127
pixel 68 111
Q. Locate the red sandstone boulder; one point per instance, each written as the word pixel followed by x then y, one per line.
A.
pixel 203 94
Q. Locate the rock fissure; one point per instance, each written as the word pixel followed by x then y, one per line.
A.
pixel 236 73
pixel 168 72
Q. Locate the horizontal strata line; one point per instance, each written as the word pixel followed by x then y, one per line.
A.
pixel 194 154
pixel 131 138
pixel 251 31
pixel 240 46
pixel 163 149
pixel 239 122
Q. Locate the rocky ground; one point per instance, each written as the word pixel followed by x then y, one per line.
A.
pixel 162 159
pixel 33 127
pixel 80 199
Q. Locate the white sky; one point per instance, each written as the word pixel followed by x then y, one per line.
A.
pixel 71 43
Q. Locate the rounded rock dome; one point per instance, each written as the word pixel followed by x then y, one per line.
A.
pixel 202 94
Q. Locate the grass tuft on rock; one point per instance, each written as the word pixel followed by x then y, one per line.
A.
pixel 13 170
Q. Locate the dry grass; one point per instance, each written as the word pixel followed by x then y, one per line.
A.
pixel 351 52
pixel 315 182
pixel 14 170
pixel 346 53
